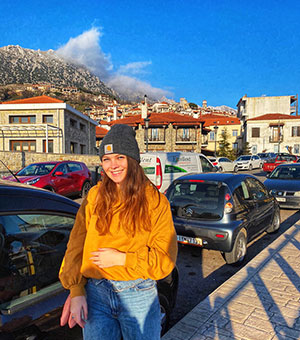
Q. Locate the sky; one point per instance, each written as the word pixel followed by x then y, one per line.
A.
pixel 214 50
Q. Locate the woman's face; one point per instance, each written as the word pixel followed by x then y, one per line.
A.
pixel 115 166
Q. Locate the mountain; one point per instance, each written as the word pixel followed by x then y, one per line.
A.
pixel 21 65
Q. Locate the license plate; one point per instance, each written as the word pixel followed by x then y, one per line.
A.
pixel 281 199
pixel 195 241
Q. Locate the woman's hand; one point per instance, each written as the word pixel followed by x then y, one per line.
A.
pixel 79 310
pixel 108 257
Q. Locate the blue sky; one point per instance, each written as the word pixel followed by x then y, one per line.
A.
pixel 197 49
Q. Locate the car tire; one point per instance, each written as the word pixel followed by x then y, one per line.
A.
pixel 85 189
pixel 165 313
pixel 250 167
pixel 220 169
pixel 275 223
pixel 235 169
pixel 239 250
pixel 50 189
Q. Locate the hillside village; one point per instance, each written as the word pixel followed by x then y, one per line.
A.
pixel 50 119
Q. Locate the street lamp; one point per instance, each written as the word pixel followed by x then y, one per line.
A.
pixel 88 111
pixel 216 130
pixel 146 121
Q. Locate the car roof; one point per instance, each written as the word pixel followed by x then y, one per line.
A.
pixel 20 197
pixel 232 180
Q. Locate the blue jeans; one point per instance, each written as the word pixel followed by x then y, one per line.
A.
pixel 127 310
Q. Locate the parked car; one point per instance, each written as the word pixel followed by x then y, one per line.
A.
pixel 67 178
pixel 279 159
pixel 34 231
pixel 248 162
pixel 222 212
pixel 265 156
pixel 224 164
pixel 284 184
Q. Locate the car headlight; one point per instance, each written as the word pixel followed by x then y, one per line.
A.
pixel 272 192
pixel 297 193
pixel 32 181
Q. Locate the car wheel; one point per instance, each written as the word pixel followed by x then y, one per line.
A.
pixel 235 169
pixel 275 223
pixel 165 313
pixel 85 189
pixel 220 169
pixel 50 189
pixel 250 167
pixel 239 250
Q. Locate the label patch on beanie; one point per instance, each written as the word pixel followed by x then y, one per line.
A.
pixel 108 148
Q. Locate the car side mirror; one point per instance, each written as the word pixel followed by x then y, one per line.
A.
pixel 267 175
pixel 58 173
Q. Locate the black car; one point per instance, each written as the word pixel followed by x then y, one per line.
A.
pixel 34 229
pixel 284 183
pixel 222 212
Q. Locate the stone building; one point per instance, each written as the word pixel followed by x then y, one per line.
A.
pixel 166 132
pixel 45 124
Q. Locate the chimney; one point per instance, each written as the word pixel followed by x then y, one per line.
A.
pixel 145 108
pixel 115 112
pixel 204 104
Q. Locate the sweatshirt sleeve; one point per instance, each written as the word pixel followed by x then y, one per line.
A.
pixel 70 275
pixel 158 258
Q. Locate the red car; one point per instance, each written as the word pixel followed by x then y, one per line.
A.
pixel 271 164
pixel 67 178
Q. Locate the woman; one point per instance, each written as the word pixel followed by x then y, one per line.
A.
pixel 123 240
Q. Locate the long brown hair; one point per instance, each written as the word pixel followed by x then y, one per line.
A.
pixel 130 201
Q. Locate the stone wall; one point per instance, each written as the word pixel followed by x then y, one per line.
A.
pixel 17 160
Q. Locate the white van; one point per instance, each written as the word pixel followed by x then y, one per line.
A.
pixel 163 167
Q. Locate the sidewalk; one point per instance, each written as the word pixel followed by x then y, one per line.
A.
pixel 260 302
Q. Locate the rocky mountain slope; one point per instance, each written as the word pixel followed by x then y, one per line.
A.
pixel 20 65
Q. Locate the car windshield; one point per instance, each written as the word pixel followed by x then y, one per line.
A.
pixel 244 158
pixel 286 172
pixel 262 155
pixel 198 200
pixel 36 169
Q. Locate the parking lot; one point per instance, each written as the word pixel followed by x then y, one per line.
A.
pixel 202 271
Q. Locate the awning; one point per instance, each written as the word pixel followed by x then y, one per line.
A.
pixel 30 131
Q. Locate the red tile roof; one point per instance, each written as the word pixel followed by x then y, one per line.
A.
pixel 210 120
pixel 274 116
pixel 159 119
pixel 34 100
pixel 100 131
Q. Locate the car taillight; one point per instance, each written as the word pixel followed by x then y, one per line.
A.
pixel 228 208
pixel 158 173
pixel 215 163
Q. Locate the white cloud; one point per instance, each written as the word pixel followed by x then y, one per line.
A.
pixel 86 50
pixel 137 67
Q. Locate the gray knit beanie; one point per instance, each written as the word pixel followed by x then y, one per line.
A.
pixel 120 139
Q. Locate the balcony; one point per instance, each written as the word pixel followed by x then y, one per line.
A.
pixel 185 140
pixel 276 139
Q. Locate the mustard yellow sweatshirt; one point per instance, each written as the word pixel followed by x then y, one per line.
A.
pixel 148 254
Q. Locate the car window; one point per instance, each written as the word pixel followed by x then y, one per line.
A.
pixel 31 251
pixel 205 200
pixel 256 189
pixel 74 167
pixel 206 165
pixel 36 169
pixel 285 172
pixel 63 168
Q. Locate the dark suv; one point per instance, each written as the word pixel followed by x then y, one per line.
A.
pixel 34 231
pixel 222 212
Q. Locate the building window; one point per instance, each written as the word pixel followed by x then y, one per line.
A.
pixel 23 145
pixel 295 131
pixel 82 127
pixel 73 123
pixel 235 146
pixel 154 134
pixel 255 132
pixel 22 119
pixel 50 146
pixel 47 119
pixel 211 136
pixel 234 133
pixel 296 148
pixel 73 147
pixel 82 149
pixel 254 149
